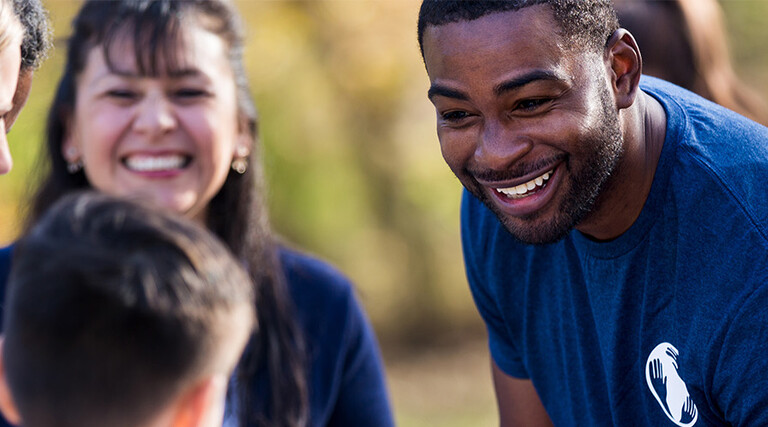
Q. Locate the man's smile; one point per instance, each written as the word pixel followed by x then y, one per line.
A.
pixel 528 197
pixel 527 188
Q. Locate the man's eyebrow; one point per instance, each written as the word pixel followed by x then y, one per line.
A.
pixel 437 90
pixel 525 79
pixel 500 89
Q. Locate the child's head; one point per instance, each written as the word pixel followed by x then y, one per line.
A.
pixel 119 315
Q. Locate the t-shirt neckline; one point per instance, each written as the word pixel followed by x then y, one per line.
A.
pixel 676 124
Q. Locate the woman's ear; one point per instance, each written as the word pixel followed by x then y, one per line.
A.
pixel 242 147
pixel 246 135
pixel 69 147
pixel 625 65
pixel 7 405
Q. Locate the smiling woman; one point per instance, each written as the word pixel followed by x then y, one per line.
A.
pixel 169 135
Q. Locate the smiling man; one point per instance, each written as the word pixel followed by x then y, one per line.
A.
pixel 615 229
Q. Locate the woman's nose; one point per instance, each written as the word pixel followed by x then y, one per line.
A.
pixel 155 115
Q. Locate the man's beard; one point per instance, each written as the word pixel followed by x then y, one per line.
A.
pixel 606 147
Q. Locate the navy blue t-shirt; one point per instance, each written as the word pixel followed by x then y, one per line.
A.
pixel 346 376
pixel 668 323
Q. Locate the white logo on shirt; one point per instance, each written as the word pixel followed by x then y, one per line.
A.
pixel 667 386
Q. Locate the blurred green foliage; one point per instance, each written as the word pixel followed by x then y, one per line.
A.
pixel 352 161
pixel 747 22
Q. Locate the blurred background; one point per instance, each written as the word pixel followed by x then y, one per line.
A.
pixel 355 176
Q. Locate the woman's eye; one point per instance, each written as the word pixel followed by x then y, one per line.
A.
pixel 121 94
pixel 190 93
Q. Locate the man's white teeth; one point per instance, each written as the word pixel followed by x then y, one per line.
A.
pixel 522 190
pixel 155 163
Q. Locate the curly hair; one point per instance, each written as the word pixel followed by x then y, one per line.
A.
pixel 37 33
pixel 586 23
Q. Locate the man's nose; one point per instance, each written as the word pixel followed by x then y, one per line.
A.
pixel 500 146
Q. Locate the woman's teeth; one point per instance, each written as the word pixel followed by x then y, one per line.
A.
pixel 155 163
pixel 522 190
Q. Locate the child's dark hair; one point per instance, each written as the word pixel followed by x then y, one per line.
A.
pixel 112 308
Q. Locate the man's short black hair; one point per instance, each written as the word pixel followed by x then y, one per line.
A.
pixel 112 309
pixel 34 20
pixel 586 23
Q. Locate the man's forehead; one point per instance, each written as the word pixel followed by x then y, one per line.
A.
pixel 527 26
pixel 525 37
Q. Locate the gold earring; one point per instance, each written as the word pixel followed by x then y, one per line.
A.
pixel 240 165
pixel 73 166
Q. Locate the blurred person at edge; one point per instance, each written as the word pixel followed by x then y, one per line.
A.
pixel 685 42
pixel 154 103
pixel 24 42
pixel 11 35
pixel 614 226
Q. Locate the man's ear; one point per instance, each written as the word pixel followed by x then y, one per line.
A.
pixel 19 97
pixel 625 66
pixel 7 406
pixel 202 405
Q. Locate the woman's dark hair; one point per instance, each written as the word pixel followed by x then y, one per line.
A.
pixel 236 214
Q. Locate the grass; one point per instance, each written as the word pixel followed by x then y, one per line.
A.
pixel 449 386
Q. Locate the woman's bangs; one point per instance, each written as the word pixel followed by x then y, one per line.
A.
pixel 155 40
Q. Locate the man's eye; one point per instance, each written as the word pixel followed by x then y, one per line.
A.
pixel 454 116
pixel 532 104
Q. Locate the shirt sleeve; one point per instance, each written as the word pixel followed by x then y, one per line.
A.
pixel 482 244
pixel 741 372
pixel 347 386
pixel 363 399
